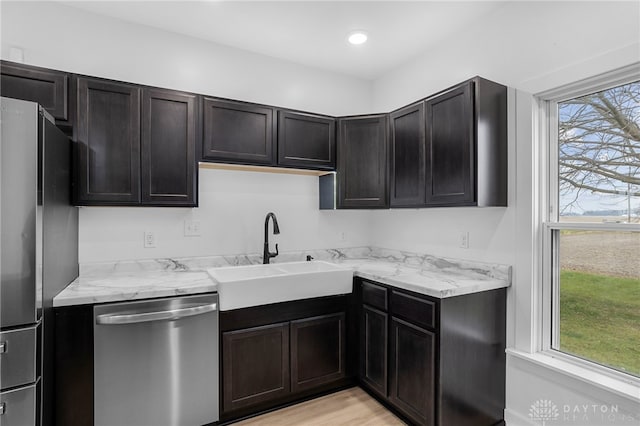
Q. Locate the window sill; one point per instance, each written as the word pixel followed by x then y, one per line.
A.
pixel 629 389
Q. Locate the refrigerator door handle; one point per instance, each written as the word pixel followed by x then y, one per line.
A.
pixel 171 314
pixel 3 347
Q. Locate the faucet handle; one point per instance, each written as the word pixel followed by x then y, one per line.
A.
pixel 276 253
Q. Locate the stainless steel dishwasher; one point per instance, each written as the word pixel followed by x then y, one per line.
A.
pixel 156 362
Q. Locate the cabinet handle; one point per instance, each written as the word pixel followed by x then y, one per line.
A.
pixel 2 408
pixel 3 347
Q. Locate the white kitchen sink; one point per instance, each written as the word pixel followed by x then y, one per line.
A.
pixel 254 285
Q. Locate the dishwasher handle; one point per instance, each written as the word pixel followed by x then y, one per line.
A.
pixel 171 314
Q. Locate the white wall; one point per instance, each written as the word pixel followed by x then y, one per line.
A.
pixel 516 44
pixel 233 205
pixel 66 38
pixel 527 46
pixel 532 47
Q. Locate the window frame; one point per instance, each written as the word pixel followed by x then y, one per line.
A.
pixel 548 200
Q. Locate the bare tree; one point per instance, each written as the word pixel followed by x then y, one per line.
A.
pixel 599 144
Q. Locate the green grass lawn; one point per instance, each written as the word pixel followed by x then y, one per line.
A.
pixel 600 319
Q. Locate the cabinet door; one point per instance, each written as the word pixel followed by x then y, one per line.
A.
pixel 373 349
pixel 450 148
pixel 362 162
pixel 306 140
pixel 107 143
pixel 255 365
pixel 168 166
pixel 238 132
pixel 412 371
pixel 407 171
pixel 317 351
pixel 49 88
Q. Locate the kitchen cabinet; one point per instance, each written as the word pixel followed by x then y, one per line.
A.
pixel 306 140
pixel 317 350
pixel 134 145
pixel 256 365
pixel 275 354
pixel 373 349
pixel 168 148
pixel 238 132
pixel 407 157
pixel 107 141
pixel 74 365
pixel 446 360
pixel 466 145
pixel 397 350
pixel 47 87
pixel 412 371
pixel 374 338
pixel 362 162
pixel 245 133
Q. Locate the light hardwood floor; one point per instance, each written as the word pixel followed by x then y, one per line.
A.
pixel 348 407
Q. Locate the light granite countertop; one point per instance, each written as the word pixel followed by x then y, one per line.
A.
pixel 425 274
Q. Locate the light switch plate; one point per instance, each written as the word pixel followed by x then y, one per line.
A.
pixel 149 239
pixel 464 240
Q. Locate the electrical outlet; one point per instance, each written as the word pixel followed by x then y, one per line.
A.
pixel 464 240
pixel 149 239
pixel 191 228
pixel 343 236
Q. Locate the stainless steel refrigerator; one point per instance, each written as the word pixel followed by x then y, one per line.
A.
pixel 39 256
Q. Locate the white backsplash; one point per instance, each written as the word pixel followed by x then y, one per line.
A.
pixel 233 206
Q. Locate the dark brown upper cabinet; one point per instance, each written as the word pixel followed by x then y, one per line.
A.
pixel 47 87
pixel 307 141
pixel 135 146
pixel 107 136
pixel 407 151
pixel 169 134
pixel 466 146
pixel 362 162
pixel 237 132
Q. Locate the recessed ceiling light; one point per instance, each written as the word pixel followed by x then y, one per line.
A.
pixel 357 37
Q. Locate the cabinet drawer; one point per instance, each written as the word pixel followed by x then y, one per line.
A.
pixel 18 357
pixel 18 406
pixel 413 309
pixel 374 295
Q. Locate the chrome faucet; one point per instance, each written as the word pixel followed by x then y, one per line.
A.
pixel 266 254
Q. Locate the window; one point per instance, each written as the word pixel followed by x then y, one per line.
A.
pixel 592 228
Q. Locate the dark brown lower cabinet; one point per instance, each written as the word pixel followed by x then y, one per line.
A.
pixel 74 365
pixel 434 361
pixel 276 354
pixel 317 351
pixel 256 365
pixel 412 371
pixel 373 353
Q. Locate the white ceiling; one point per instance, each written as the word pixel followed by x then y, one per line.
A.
pixel 311 33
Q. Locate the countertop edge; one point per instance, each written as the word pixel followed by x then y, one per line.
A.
pixel 131 295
